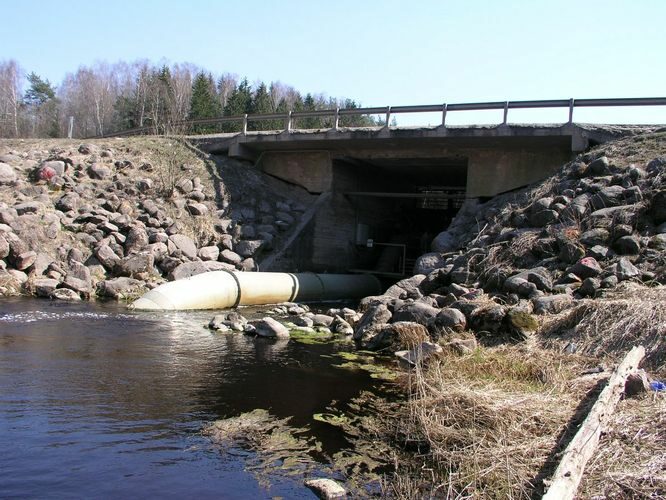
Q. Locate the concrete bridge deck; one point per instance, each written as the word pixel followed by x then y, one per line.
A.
pixel 498 158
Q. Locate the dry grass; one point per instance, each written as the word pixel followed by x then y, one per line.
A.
pixel 609 327
pixel 504 258
pixel 487 423
pixel 631 459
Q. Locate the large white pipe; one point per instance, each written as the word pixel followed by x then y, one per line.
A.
pixel 225 289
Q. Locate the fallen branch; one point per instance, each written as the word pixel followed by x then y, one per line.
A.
pixel 581 448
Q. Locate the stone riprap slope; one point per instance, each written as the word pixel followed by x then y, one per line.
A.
pixel 111 218
pixel 593 231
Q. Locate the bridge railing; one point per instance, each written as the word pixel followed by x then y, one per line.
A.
pixel 288 118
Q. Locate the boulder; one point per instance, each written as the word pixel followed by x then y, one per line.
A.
pixel 78 285
pixel 416 312
pixel 107 257
pixel 184 244
pixel 136 239
pixel 406 287
pixel 7 174
pixel 375 314
pixel 24 260
pixel 67 202
pixel 658 242
pixel 231 321
pixel 247 248
pixel 598 167
pixel 340 326
pixel 521 323
pixel 393 334
pixel 624 270
pixel 229 256
pixel 589 287
pixel 658 207
pixel 268 327
pixel 597 236
pixel 119 288
pixel 610 196
pixel 322 320
pixel 326 489
pixel 135 264
pixel 627 245
pixel 209 253
pixel 99 171
pixel 28 207
pixel 197 209
pixel 65 294
pixel 419 353
pixel 586 267
pixel 303 321
pixel 248 265
pixel 543 218
pixel 570 251
pixel 4 247
pixel 487 319
pixel 448 320
pixel 444 242
pixel 599 252
pixel 43 287
pixel 552 304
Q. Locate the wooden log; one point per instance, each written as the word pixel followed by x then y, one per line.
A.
pixel 569 472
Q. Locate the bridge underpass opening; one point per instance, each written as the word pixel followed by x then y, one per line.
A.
pixel 398 213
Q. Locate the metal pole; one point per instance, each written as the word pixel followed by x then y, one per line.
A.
pixel 506 111
pixel 444 108
pixel 289 122
pixel 71 127
pixel 388 115
pixel 336 121
pixel 245 124
pixel 571 107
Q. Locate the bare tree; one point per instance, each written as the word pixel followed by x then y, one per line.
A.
pixel 89 95
pixel 226 84
pixel 10 98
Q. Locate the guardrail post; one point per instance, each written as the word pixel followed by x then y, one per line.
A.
pixel 571 107
pixel 388 115
pixel 245 124
pixel 444 108
pixel 336 120
pixel 506 112
pixel 288 124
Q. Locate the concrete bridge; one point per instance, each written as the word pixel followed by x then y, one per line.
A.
pixel 481 160
pixel 385 191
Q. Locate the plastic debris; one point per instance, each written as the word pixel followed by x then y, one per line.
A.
pixel 658 385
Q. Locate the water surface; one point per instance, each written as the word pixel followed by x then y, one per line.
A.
pixel 96 401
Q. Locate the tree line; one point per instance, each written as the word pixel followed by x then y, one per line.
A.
pixel 110 98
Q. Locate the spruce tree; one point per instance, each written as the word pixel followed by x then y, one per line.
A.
pixel 261 104
pixel 204 102
pixel 239 103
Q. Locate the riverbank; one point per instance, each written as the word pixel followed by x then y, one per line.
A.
pixel 113 218
pixel 516 320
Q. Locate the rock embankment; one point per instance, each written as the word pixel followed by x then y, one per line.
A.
pixel 111 219
pixel 598 223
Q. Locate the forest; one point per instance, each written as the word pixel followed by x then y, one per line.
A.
pixel 104 99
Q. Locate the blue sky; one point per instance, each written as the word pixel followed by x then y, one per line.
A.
pixel 377 52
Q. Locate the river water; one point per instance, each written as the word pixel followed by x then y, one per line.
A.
pixel 99 402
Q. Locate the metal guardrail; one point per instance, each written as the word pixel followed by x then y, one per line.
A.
pixel 289 117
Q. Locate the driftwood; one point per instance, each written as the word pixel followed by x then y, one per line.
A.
pixel 569 472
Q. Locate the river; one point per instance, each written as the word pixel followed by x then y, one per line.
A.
pixel 97 401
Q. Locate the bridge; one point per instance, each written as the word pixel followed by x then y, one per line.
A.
pixel 396 186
